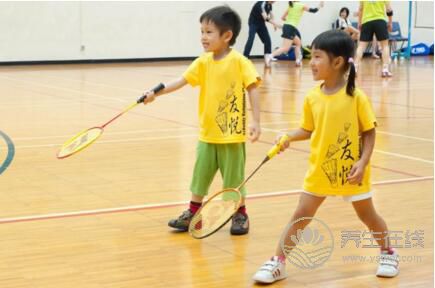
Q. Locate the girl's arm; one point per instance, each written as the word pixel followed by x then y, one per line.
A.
pixel 284 16
pixel 298 134
pixel 171 86
pixel 356 174
pixel 254 99
pixel 360 12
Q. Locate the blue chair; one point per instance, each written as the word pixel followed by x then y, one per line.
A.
pixel 395 38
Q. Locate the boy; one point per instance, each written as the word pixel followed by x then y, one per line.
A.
pixel 223 75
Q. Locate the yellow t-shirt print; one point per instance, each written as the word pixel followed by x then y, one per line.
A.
pixel 222 97
pixel 336 122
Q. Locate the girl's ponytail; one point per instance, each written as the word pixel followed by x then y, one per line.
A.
pixel 350 87
pixel 290 3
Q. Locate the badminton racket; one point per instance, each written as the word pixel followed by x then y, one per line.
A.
pixel 222 205
pixel 86 137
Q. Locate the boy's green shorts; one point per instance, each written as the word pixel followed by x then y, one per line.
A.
pixel 228 158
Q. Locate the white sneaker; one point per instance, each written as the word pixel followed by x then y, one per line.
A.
pixel 388 265
pixel 386 73
pixel 271 271
pixel 268 59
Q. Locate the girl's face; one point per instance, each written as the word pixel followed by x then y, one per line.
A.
pixel 323 67
pixel 320 64
pixel 343 14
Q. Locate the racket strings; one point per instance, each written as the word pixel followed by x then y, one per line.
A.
pixel 214 214
pixel 80 141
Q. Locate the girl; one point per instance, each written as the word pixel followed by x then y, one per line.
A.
pixel 343 23
pixel 290 33
pixel 372 21
pixel 335 145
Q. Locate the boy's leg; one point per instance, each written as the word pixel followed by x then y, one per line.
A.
pixel 203 174
pixel 274 269
pixel 231 162
pixel 388 263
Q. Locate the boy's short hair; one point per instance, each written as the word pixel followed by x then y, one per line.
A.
pixel 225 19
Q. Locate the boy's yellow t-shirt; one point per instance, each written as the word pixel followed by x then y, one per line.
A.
pixel 294 14
pixel 373 10
pixel 222 98
pixel 336 122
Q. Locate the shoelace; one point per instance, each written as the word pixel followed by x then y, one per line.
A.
pixel 389 260
pixel 239 219
pixel 186 215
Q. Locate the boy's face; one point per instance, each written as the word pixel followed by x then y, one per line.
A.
pixel 211 38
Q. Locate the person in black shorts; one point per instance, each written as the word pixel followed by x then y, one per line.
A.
pixel 372 21
pixel 260 14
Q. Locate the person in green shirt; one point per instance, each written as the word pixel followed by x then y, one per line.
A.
pixel 290 32
pixel 372 20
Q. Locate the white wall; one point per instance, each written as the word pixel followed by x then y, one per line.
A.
pixel 38 31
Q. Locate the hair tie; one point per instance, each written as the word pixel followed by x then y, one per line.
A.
pixel 350 60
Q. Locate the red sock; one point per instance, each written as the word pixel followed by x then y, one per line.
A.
pixel 389 250
pixel 194 206
pixel 242 210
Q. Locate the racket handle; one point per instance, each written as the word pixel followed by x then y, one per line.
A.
pixel 155 90
pixel 277 147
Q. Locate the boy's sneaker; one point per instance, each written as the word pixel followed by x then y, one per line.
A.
pixel 388 265
pixel 239 224
pixel 182 222
pixel 271 271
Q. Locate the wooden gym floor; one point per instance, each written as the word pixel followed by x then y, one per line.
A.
pixel 99 218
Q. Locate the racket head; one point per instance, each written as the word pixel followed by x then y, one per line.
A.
pixel 79 142
pixel 215 213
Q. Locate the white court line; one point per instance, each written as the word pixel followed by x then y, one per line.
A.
pixel 405 136
pixel 112 133
pixel 403 156
pixel 171 204
pixel 112 141
pixel 191 135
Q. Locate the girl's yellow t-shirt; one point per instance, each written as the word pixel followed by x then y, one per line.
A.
pixel 374 10
pixel 222 97
pixel 336 122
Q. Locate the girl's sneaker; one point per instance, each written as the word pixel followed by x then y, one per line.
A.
pixel 271 271
pixel 386 73
pixel 388 265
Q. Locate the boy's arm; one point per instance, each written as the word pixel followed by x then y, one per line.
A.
pixel 169 87
pixel 356 174
pixel 254 99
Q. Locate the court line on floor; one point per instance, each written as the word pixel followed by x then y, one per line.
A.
pixel 32 218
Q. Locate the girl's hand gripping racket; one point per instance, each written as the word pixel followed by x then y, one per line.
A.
pixel 222 205
pixel 89 136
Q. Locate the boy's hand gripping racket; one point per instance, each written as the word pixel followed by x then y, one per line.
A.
pixel 89 136
pixel 215 213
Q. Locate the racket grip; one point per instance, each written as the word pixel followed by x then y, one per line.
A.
pixel 277 147
pixel 155 90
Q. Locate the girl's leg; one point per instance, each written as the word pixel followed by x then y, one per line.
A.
pixel 286 45
pixel 385 58
pixel 367 214
pixel 307 207
pixel 388 265
pixel 362 46
pixel 298 52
